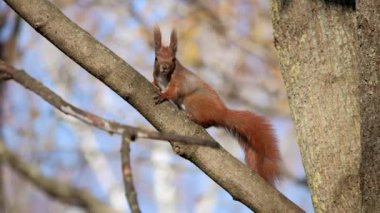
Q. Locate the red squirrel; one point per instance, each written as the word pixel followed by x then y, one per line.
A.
pixel 203 106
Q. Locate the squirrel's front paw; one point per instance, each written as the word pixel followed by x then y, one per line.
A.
pixel 159 98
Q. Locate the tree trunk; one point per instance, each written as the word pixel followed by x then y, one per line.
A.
pixel 329 56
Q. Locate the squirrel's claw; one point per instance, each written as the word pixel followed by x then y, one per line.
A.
pixel 159 99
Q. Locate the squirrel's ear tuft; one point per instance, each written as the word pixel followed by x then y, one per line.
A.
pixel 173 41
pixel 157 38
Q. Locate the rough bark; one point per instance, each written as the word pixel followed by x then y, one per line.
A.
pixel 227 171
pixel 368 25
pixel 329 56
pixel 2 192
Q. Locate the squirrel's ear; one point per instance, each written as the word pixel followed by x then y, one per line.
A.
pixel 173 41
pixel 157 38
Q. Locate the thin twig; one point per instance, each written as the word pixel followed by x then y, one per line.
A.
pixel 130 192
pixel 61 191
pixel 112 127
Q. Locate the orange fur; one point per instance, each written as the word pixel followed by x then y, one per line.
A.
pixel 203 105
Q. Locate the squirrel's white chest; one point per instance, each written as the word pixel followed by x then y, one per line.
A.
pixel 162 83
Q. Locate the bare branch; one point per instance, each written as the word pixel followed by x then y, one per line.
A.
pixel 130 191
pixel 58 190
pixel 112 127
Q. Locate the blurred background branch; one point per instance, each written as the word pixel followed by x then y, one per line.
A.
pixel 8 52
pixel 63 192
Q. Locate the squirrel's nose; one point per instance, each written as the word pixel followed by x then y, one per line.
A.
pixel 164 66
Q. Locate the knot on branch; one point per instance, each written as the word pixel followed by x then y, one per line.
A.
pixel 5 71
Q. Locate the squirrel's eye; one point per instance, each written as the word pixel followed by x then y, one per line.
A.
pixel 155 58
pixel 173 59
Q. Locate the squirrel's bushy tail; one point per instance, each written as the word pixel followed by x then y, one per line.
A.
pixel 257 139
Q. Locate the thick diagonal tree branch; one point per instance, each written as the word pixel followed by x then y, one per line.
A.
pixel 244 185
pixel 59 190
